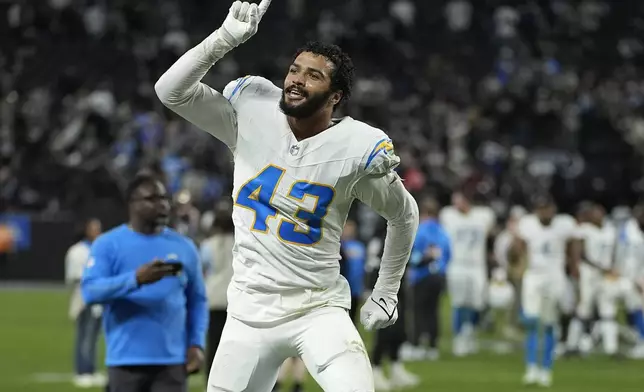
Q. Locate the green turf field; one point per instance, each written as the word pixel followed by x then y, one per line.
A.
pixel 36 347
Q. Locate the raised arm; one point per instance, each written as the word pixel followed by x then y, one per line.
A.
pixel 180 87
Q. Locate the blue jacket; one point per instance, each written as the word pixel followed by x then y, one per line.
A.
pixel 430 234
pixel 355 255
pixel 153 324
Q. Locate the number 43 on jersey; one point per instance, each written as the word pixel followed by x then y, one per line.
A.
pixel 305 226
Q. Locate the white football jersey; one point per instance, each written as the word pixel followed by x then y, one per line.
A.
pixel 468 233
pixel 599 243
pixel 632 264
pixel 546 245
pixel 291 200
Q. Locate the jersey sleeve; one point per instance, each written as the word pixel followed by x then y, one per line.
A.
pixel 580 232
pixel 240 91
pixel 180 89
pixel 75 263
pixel 523 228
pixel 386 195
pixel 570 228
pixel 381 158
pixel 490 218
pixel 443 216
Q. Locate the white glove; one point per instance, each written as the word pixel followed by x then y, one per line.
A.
pixel 380 311
pixel 242 21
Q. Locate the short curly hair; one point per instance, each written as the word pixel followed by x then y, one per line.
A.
pixel 344 70
pixel 144 177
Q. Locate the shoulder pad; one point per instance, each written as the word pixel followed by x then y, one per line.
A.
pixel 248 86
pixel 380 158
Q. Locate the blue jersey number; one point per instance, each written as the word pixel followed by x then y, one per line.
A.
pixel 305 227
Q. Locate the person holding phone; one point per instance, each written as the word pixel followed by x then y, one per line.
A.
pixel 149 280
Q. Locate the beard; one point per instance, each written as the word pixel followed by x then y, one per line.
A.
pixel 311 104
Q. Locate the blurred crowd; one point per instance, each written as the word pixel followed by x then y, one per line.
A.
pixel 508 97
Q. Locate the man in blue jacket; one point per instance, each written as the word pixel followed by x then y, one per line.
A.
pixel 148 277
pixel 426 275
pixel 354 253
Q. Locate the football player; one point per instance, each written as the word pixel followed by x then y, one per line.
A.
pixel 596 275
pixel 626 283
pixel 544 238
pixel 297 172
pixel 468 228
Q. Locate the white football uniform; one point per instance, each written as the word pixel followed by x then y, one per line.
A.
pixel 287 236
pixel 632 262
pixel 287 297
pixel 544 281
pixel 624 287
pixel 599 248
pixel 467 270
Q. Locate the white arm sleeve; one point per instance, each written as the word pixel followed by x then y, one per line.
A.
pixel 181 90
pixel 389 198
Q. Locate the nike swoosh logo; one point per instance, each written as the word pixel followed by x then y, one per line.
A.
pixel 383 306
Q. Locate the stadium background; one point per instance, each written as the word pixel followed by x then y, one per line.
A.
pixel 507 97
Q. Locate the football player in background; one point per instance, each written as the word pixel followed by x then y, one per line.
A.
pixel 544 237
pixel 596 274
pixel 468 228
pixel 626 284
pixel 514 269
pixel 297 172
pixel 87 318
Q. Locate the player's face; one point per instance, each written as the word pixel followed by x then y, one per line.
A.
pixel 545 213
pixel 597 215
pixel 307 87
pixel 460 202
pixel 93 229
pixel 151 204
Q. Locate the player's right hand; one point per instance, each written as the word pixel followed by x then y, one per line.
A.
pixel 153 272
pixel 242 21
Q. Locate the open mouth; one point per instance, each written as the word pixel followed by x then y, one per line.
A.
pixel 295 94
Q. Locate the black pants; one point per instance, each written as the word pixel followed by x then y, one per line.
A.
pixel 215 329
pixel 389 340
pixel 426 303
pixel 153 378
